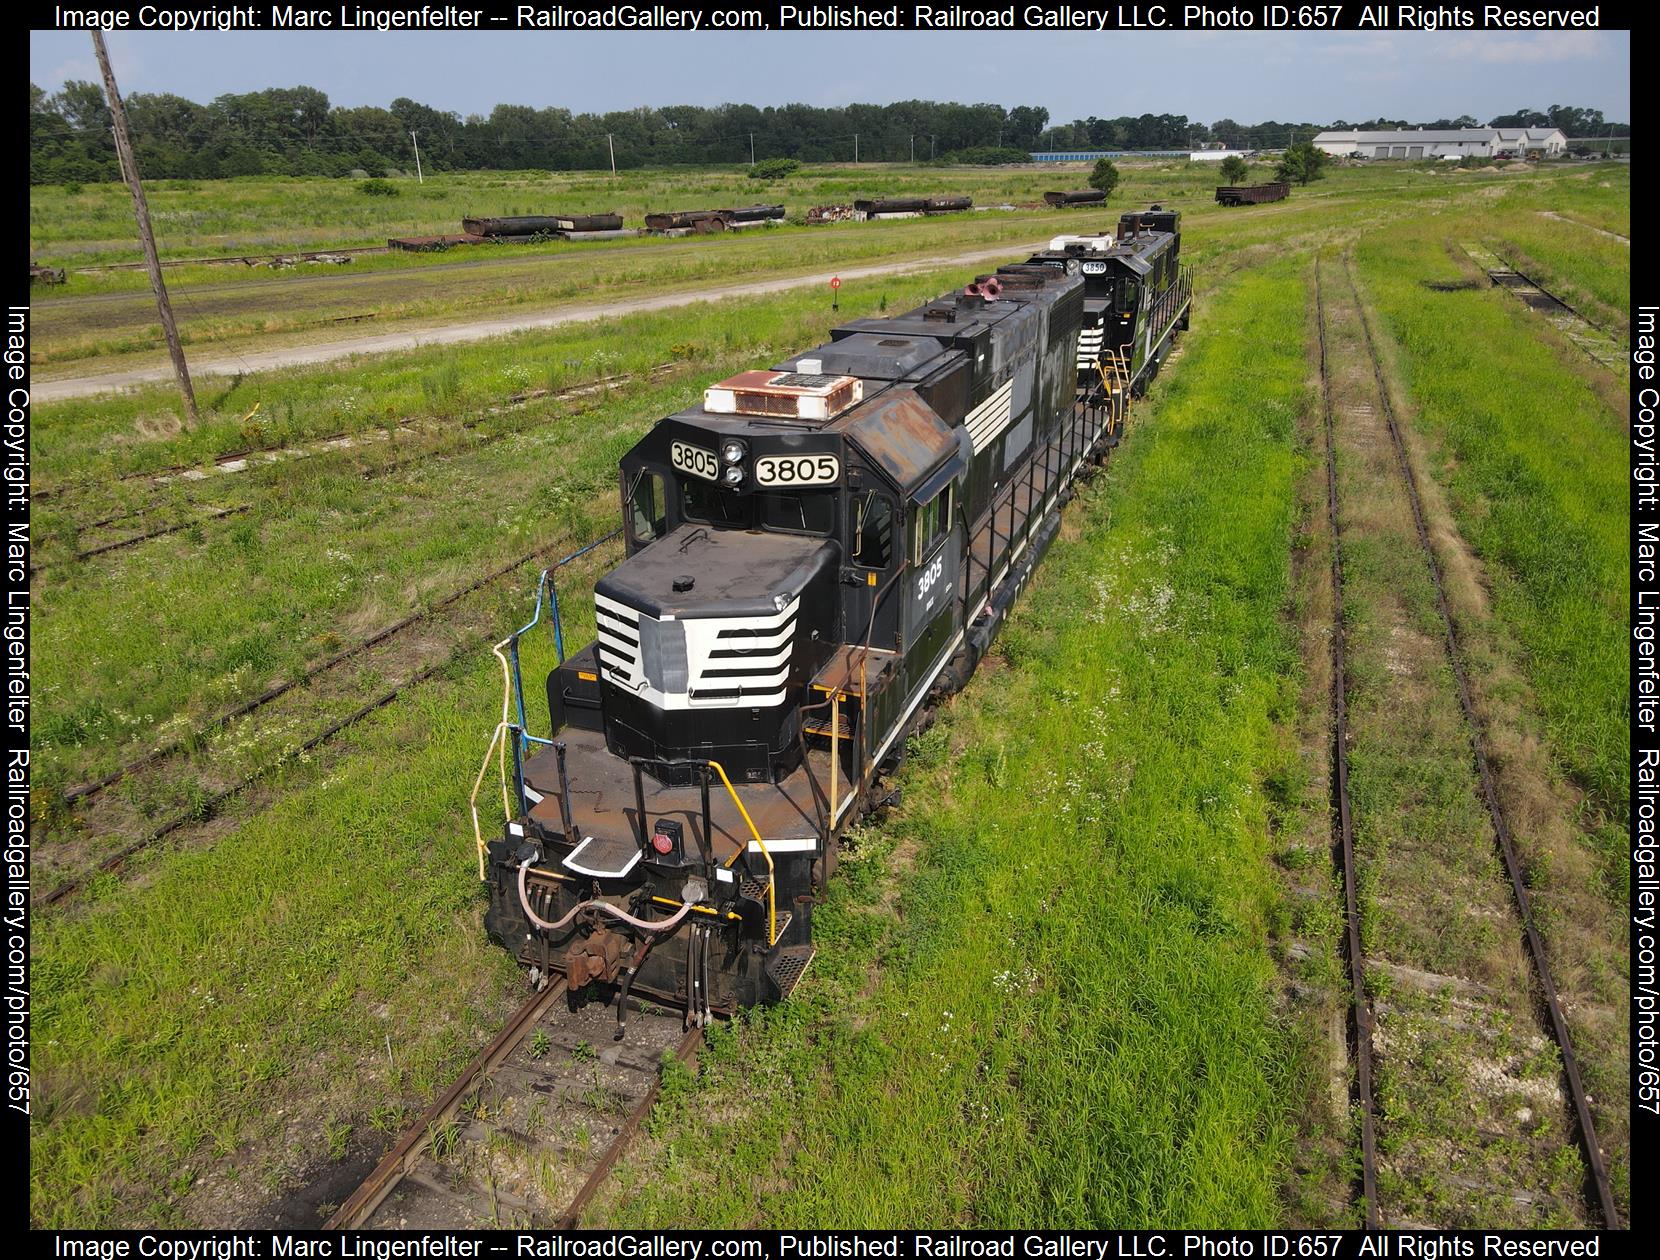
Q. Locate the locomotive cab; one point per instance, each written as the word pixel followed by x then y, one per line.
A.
pixel 755 549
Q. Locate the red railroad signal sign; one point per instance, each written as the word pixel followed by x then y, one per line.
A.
pixel 835 282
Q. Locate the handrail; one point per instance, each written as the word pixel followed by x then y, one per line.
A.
pixel 826 822
pixel 772 899
pixel 513 694
pixel 545 586
pixel 864 669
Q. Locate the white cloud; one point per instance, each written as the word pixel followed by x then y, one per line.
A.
pixel 1523 49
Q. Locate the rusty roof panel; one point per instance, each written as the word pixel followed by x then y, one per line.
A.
pixel 902 435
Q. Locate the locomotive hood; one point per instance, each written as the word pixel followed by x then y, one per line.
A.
pixel 696 571
pixel 707 618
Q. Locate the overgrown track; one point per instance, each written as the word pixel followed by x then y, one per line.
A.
pixel 1597 344
pixel 531 1128
pixel 1344 846
pixel 253 458
pixel 119 544
pixel 92 788
pixel 238 461
pixel 1360 1029
pixel 1489 792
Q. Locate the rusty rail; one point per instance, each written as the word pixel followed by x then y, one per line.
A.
pixel 1360 1031
pixel 217 514
pixel 1603 1190
pixel 569 1219
pixel 406 1153
pixel 362 1202
pixel 169 473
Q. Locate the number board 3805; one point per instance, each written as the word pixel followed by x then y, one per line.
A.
pixel 797 470
pixel 695 460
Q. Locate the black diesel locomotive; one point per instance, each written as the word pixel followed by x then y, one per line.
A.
pixel 814 554
pixel 1137 296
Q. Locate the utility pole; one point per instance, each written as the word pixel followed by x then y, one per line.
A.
pixel 419 178
pixel 752 148
pixel 121 161
pixel 855 148
pixel 930 147
pixel 612 145
pixel 141 211
pixel 913 148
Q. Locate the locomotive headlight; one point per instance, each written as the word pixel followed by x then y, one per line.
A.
pixel 733 475
pixel 733 451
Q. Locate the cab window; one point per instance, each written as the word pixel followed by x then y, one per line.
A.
pixel 1129 292
pixel 646 507
pixel 931 523
pixel 706 502
pixel 873 532
pixel 804 512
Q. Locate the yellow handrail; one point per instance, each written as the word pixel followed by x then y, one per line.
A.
pixel 772 901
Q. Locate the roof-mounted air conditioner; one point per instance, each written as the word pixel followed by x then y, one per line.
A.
pixel 805 394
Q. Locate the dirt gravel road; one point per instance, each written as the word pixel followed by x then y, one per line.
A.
pixel 222 364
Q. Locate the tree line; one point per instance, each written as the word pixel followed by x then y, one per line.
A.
pixel 296 131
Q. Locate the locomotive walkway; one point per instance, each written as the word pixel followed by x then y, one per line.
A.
pixel 459 333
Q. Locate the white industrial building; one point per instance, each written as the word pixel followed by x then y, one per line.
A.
pixel 1547 141
pixel 1419 144
pixel 1215 155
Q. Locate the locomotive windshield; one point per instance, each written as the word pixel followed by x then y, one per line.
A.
pixel 797 512
pixel 702 501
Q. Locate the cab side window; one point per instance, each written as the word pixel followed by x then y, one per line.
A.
pixel 647 508
pixel 873 532
pixel 931 523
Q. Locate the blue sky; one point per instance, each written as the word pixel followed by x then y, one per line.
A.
pixel 1249 77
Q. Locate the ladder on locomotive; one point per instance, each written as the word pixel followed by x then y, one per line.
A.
pixel 836 715
pixel 1114 394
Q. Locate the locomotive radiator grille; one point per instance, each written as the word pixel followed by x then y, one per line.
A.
pixel 1089 345
pixel 618 643
pixel 697 662
pixel 991 417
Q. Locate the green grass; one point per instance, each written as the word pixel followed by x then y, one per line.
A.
pixel 140 429
pixel 1536 469
pixel 264 214
pixel 176 1020
pixel 216 617
pixel 1113 1056
pixel 111 316
pixel 1591 273
pixel 1599 195
pixel 1068 1022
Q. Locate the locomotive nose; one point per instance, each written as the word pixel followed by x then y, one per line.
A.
pixel 712 668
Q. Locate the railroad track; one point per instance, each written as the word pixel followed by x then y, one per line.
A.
pixel 532 1127
pixel 1547 1010
pixel 1596 344
pixel 266 457
pixel 1489 792
pixel 1360 1026
pixel 250 458
pixel 182 746
pixel 246 260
